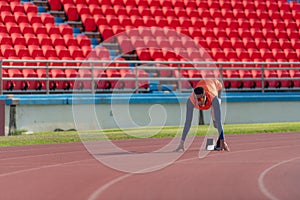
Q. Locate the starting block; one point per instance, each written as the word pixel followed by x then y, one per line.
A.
pixel 210 144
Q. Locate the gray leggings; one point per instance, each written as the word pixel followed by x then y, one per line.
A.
pixel 216 115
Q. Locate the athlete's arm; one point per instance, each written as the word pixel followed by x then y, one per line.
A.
pixel 188 119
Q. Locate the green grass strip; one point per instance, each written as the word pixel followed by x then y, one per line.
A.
pixel 162 132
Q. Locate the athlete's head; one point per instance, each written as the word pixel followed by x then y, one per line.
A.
pixel 200 95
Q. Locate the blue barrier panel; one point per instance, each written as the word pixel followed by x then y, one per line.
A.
pixel 158 97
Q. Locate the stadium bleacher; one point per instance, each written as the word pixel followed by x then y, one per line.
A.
pixel 239 30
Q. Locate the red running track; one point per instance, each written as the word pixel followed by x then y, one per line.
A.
pixel 260 166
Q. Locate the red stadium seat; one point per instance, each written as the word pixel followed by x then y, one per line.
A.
pixel 76 52
pixel 190 4
pixel 30 7
pixel 26 28
pixel 12 27
pixel 71 12
pixel 185 22
pixel 295 75
pixel 7 16
pixel 49 51
pixel 65 29
pixel 41 84
pixel 113 73
pixel 3 28
pixel 124 20
pixel 238 13
pixel 269 81
pixel 108 10
pixel 13 63
pixel 59 84
pixel 41 58
pixel 4 7
pixel 285 77
pixel 62 51
pixel 153 2
pixel 70 40
pixel 259 5
pixel 82 8
pixel 21 51
pixel 35 51
pixel 16 6
pixel 290 54
pixel 102 84
pixel 295 43
pixel 88 22
pixel 143 54
pixel 15 84
pixel 120 9
pixel 246 74
pixel 57 40
pixel 137 42
pixel 71 73
pixel 215 13
pixel 150 41
pixel 89 2
pixel 132 10
pixel 102 53
pixel 39 28
pixel 155 53
pixel 267 34
pixel 106 31
pixel 52 29
pixel 212 4
pixel 136 21
pixel 47 18
pixel 292 33
pixel 266 54
pixel 55 4
pixel 285 43
pixel 234 83
pixel 100 19
pixel 44 39
pixel 18 38
pixel 86 50
pixel 34 18
pixel 242 53
pixel 32 84
pixel 112 20
pixel 168 12
pixel 5 39
pixel 83 40
pixel 166 3
pixel 21 17
pixel 95 9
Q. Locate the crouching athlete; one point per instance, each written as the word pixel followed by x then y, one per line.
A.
pixel 206 95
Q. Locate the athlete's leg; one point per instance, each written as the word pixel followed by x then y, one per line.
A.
pixel 217 114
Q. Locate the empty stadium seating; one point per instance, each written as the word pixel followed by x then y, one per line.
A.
pixel 233 31
pixel 227 30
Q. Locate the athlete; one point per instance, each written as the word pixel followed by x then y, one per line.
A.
pixel 206 95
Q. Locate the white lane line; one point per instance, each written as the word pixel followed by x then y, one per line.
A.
pixel 34 156
pixel 261 184
pixel 42 167
pixel 25 148
pixel 104 187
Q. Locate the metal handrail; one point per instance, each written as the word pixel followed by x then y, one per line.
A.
pixel 93 65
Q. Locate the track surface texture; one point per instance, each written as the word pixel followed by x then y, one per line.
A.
pixel 259 166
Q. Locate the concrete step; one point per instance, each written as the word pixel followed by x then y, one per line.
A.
pixel 42 3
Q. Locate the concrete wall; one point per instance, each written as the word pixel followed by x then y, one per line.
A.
pixel 36 116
